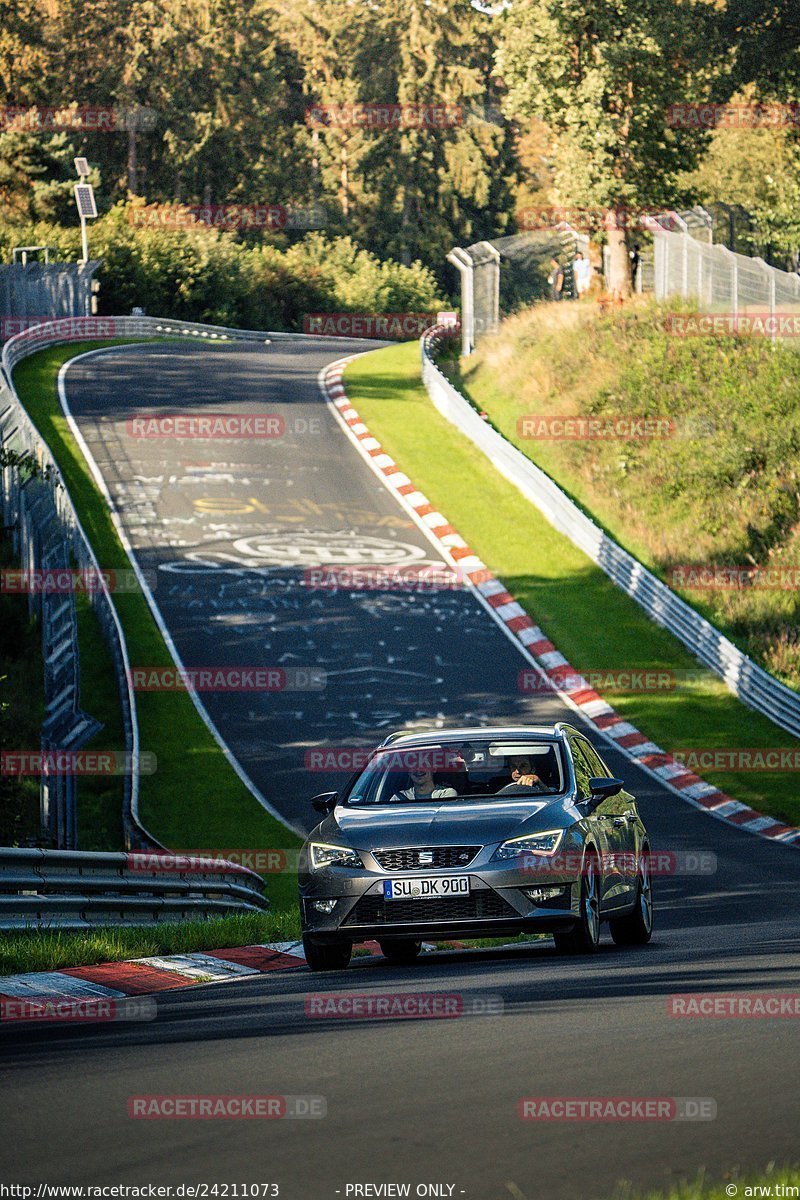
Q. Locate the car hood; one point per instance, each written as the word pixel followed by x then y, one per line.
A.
pixel 443 823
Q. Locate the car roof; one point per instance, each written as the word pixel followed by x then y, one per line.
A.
pixel 473 733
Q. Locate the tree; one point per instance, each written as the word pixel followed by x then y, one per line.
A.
pixel 407 190
pixel 22 52
pixel 766 35
pixel 36 177
pixel 603 77
pixel 757 170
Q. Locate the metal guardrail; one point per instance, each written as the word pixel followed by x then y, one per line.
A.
pixel 73 890
pixel 751 683
pixel 47 533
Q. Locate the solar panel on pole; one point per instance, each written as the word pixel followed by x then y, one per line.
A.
pixel 84 198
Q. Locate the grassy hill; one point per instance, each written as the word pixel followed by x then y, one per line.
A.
pixel 719 487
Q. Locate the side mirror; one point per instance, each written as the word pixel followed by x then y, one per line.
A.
pixel 325 802
pixel 602 788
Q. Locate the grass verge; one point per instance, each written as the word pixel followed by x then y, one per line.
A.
pixel 590 620
pixel 51 949
pixel 193 800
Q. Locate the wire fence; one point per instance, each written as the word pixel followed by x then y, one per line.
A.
pixel 721 281
pixel 31 290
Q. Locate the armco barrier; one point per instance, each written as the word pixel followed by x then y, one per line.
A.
pixel 751 683
pixel 47 533
pixel 73 890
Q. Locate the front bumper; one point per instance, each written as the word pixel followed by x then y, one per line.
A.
pixel 497 905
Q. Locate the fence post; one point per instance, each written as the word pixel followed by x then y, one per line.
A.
pixel 770 273
pixel 699 276
pixel 463 264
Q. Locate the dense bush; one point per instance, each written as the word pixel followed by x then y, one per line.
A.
pixel 205 274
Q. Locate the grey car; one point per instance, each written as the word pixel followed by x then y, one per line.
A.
pixel 475 833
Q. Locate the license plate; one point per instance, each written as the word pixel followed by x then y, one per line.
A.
pixel 431 887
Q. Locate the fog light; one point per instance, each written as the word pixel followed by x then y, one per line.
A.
pixel 538 894
pixel 323 906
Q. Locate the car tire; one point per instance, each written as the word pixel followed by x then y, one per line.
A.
pixel 401 951
pixel 327 956
pixel 584 937
pixel 636 927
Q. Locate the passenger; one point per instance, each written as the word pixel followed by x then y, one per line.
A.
pixel 523 776
pixel 424 788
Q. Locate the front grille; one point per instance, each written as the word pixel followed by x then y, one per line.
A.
pixel 374 910
pixel 435 857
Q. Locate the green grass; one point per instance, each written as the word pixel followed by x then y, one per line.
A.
pixel 51 949
pixel 193 800
pixel 747 1187
pixel 722 489
pixel 590 620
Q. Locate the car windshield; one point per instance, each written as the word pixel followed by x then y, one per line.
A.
pixel 500 769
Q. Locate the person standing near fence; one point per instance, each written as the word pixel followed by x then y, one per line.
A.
pixel 556 279
pixel 582 273
pixel 636 259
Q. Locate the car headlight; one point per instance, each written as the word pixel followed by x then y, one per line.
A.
pixel 323 854
pixel 532 843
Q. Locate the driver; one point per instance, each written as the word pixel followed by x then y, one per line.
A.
pixel 523 776
pixel 423 787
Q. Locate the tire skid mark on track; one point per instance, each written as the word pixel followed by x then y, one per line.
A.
pixel 533 643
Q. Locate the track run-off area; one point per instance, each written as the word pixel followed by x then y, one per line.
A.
pixel 225 532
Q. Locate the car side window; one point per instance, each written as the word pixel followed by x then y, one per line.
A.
pixel 583 771
pixel 598 767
